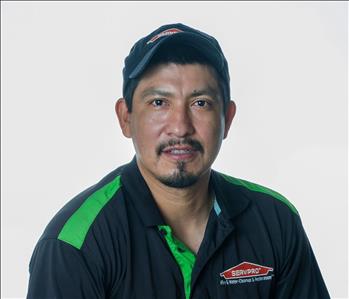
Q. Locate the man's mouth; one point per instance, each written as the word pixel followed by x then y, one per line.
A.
pixel 180 153
pixel 178 150
pixel 186 148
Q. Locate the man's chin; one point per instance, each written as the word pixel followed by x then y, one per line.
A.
pixel 179 180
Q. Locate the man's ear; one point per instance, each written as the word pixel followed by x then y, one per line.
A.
pixel 229 116
pixel 123 116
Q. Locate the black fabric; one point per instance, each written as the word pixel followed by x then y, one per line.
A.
pixel 125 256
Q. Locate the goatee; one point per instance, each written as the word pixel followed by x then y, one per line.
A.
pixel 180 178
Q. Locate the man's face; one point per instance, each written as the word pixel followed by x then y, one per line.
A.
pixel 177 122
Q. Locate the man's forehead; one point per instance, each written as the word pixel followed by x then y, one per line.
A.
pixel 161 78
pixel 166 92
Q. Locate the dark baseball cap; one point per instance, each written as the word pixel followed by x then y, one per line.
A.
pixel 144 49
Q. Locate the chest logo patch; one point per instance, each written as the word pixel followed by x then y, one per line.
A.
pixel 246 272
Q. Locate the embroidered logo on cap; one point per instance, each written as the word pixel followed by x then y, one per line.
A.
pixel 164 33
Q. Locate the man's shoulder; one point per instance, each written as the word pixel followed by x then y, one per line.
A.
pixel 72 222
pixel 259 195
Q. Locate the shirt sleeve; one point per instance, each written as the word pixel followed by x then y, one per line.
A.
pixel 300 276
pixel 59 270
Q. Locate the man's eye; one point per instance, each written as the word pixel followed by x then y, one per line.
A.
pixel 157 102
pixel 201 103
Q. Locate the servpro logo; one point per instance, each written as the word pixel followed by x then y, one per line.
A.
pixel 164 33
pixel 246 272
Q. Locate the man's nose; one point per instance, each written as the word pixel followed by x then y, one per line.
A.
pixel 179 122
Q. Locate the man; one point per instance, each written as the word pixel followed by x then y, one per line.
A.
pixel 166 225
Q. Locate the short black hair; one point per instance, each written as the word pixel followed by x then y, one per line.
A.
pixel 178 54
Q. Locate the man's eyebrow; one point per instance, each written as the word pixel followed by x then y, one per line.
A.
pixel 212 92
pixel 155 92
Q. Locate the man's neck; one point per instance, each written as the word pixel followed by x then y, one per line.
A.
pixel 186 210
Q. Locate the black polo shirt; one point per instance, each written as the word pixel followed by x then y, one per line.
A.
pixel 111 241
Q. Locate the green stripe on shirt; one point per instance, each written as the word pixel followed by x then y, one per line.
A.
pixel 259 188
pixel 184 257
pixel 75 229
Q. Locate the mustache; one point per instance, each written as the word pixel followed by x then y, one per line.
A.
pixel 196 145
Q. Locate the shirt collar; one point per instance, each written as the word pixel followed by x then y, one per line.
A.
pixel 231 198
pixel 140 196
pixel 229 202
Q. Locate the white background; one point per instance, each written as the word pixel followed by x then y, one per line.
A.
pixel 61 74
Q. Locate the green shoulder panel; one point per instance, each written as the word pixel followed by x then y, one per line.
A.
pixel 75 229
pixel 259 188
